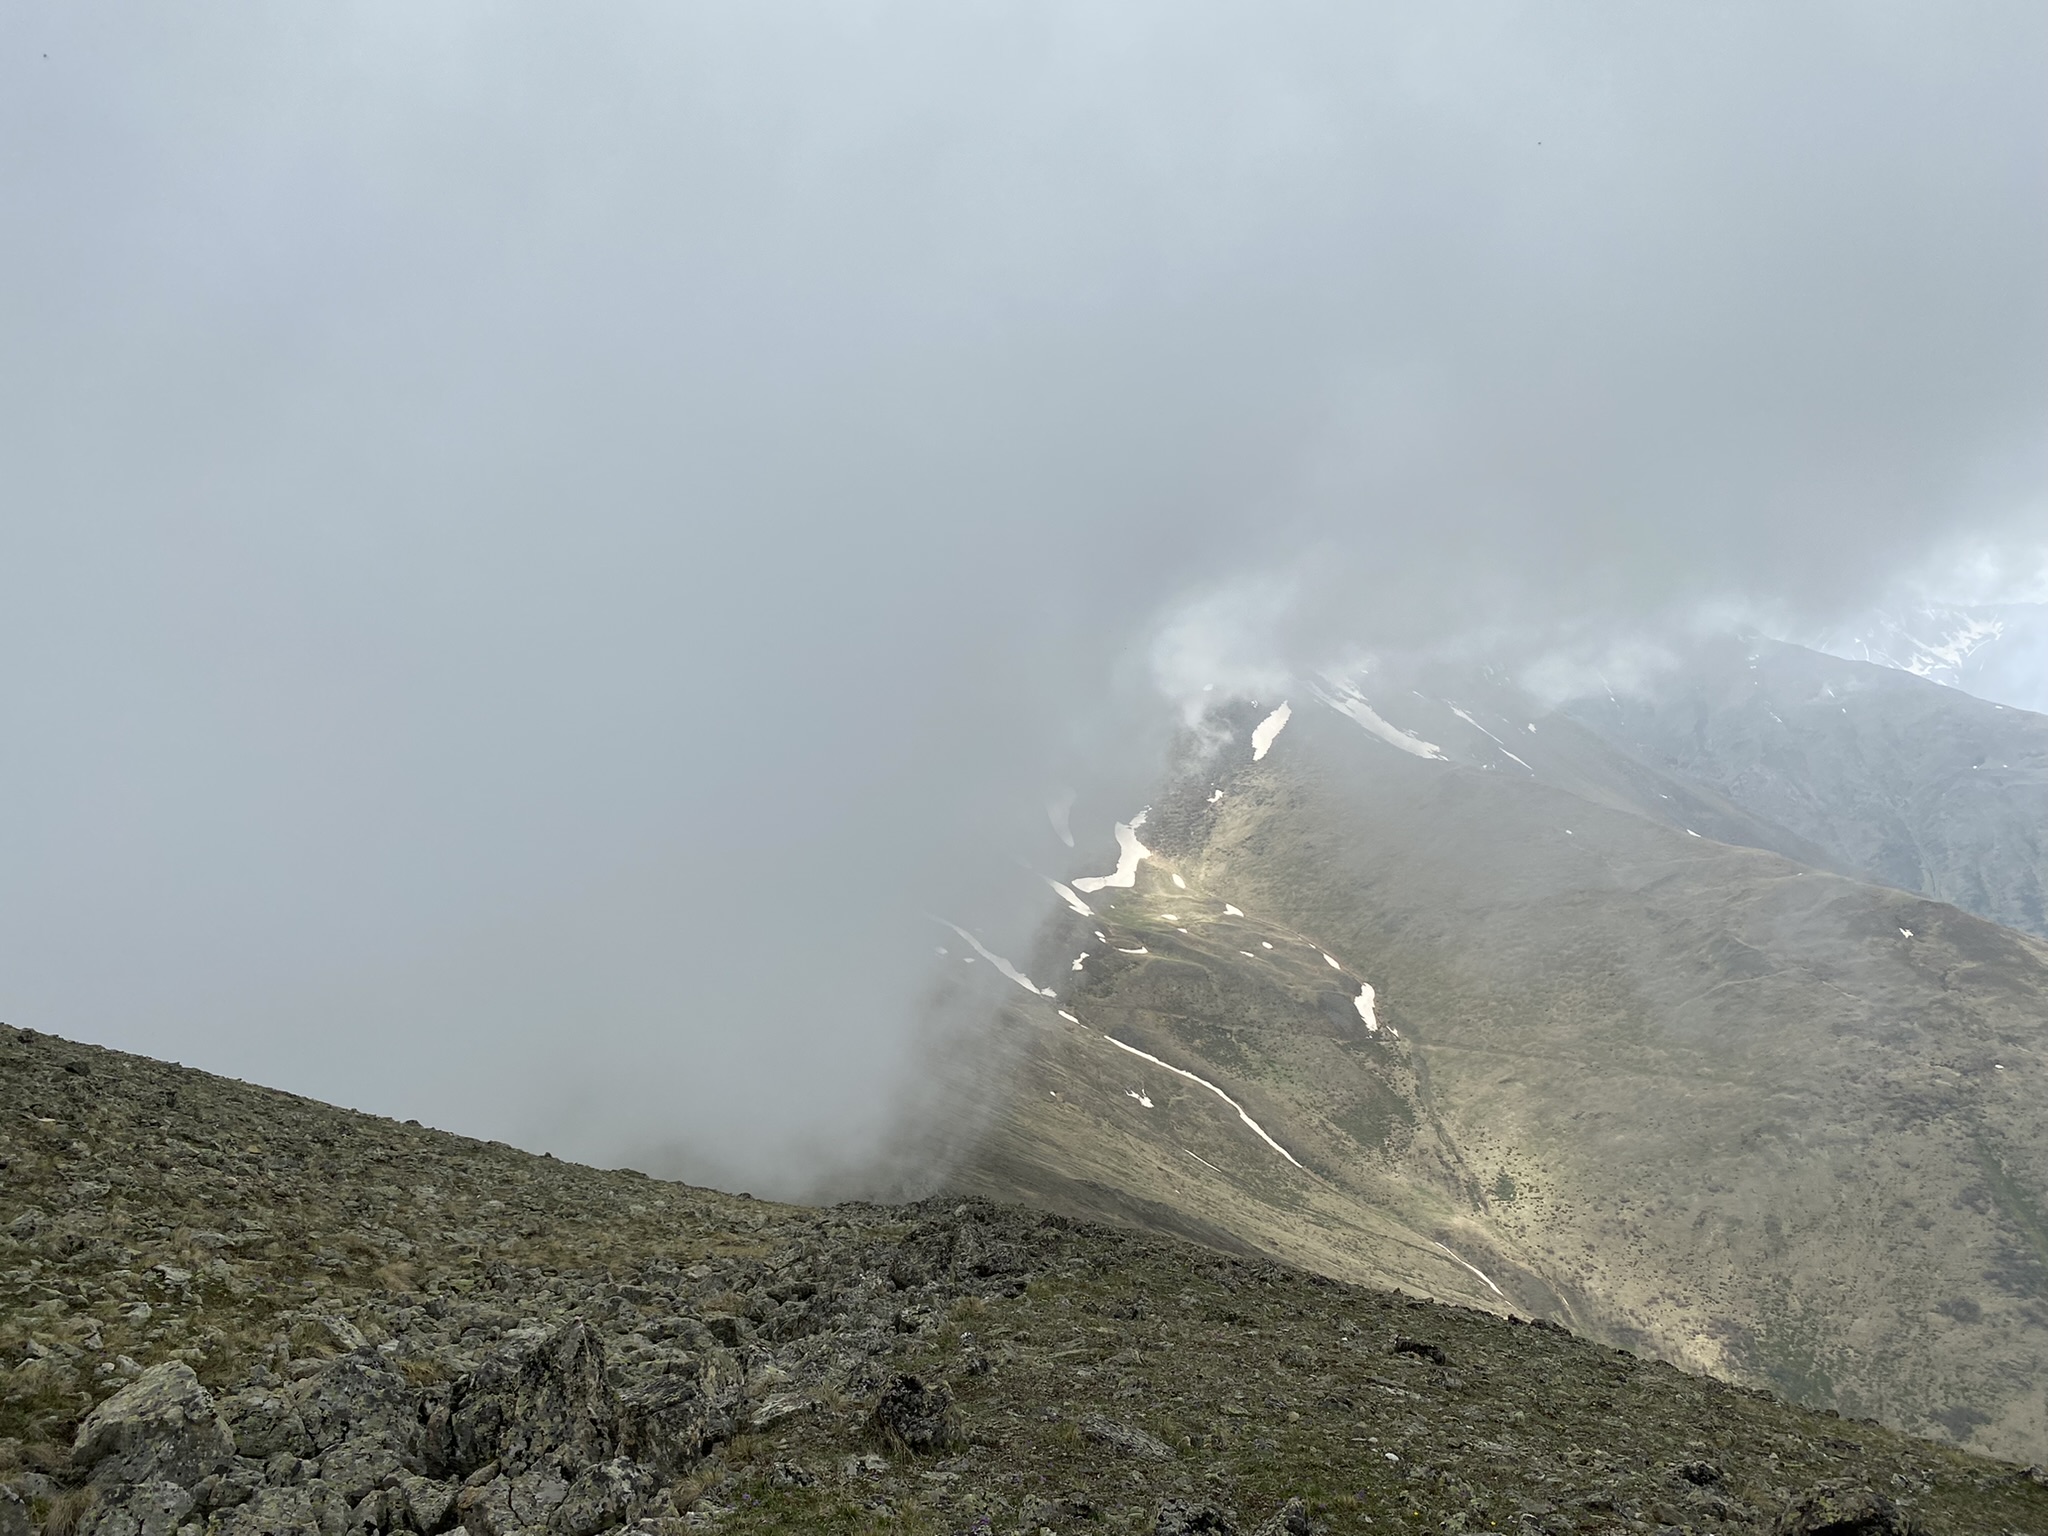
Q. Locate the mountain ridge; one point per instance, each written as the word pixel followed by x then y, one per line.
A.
pixel 1789 1073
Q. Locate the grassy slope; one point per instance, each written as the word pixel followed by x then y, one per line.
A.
pixel 250 1220
pixel 1694 1098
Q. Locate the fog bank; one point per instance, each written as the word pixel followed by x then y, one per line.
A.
pixel 543 549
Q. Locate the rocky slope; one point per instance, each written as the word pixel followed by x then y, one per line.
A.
pixel 1696 1099
pixel 226 1311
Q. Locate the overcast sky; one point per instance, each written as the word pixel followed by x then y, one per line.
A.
pixel 539 546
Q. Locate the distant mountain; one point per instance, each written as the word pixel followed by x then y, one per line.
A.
pixel 1997 651
pixel 1500 1006
pixel 1898 779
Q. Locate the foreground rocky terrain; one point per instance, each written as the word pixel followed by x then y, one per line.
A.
pixel 225 1311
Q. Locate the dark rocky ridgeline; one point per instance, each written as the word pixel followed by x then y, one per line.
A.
pixel 229 1312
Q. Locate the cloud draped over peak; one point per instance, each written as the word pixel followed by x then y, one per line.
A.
pixel 541 542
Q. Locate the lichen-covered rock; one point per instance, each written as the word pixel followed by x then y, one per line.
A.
pixel 507 1504
pixel 152 1509
pixel 358 1395
pixel 422 1504
pixel 270 1512
pixel 1180 1519
pixel 1125 1438
pixel 670 1423
pixel 360 1464
pixel 14 1514
pixel 605 1494
pixel 1836 1509
pixel 778 1408
pixel 921 1417
pixel 237 1484
pixel 160 1428
pixel 326 1335
pixel 263 1422
pixel 551 1404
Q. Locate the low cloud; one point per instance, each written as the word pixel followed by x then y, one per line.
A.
pixel 541 545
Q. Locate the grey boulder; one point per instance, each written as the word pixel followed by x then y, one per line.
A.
pixel 918 1416
pixel 604 1495
pixel 358 1395
pixel 1126 1438
pixel 550 1405
pixel 154 1509
pixel 160 1428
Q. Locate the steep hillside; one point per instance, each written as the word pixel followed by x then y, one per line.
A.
pixel 230 1312
pixel 1692 1098
pixel 1902 781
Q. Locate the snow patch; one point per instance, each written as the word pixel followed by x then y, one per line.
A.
pixel 1202 1082
pixel 1332 963
pixel 1482 730
pixel 1474 1267
pixel 1067 895
pixel 1139 1095
pixel 1268 729
pixel 1364 1004
pixel 1347 700
pixel 1067 1016
pixel 1000 963
pixel 1140 950
pixel 1080 960
pixel 1129 852
pixel 1179 884
pixel 1230 911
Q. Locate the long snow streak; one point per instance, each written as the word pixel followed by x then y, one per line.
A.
pixel 1129 852
pixel 1001 964
pixel 1257 1129
pixel 1347 700
pixel 1067 895
pixel 1480 1273
pixel 1482 730
pixel 1267 730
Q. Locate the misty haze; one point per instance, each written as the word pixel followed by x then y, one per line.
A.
pixel 1380 646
